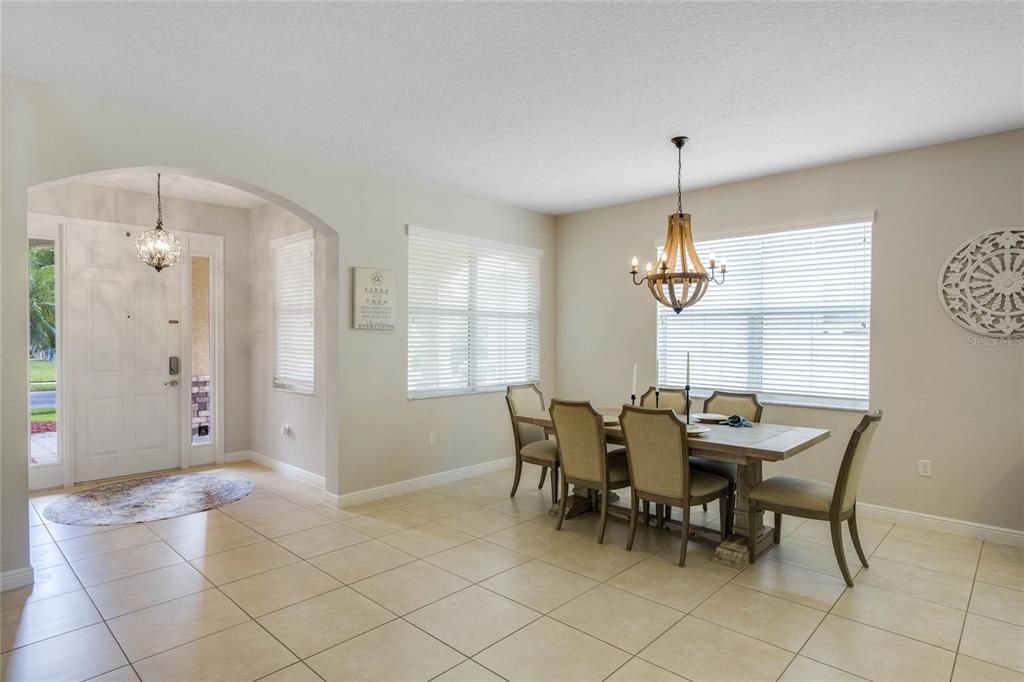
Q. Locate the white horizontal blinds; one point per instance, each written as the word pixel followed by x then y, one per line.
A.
pixel 294 366
pixel 791 322
pixel 474 314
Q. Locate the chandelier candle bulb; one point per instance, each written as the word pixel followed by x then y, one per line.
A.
pixel 634 379
pixel 649 268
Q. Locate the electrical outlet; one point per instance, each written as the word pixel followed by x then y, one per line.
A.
pixel 431 439
pixel 924 468
pixel 286 430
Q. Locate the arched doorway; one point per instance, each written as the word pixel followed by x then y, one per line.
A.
pixel 206 338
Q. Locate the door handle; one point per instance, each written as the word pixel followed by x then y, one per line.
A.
pixel 172 382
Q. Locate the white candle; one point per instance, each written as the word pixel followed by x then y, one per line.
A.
pixel 634 379
pixel 687 368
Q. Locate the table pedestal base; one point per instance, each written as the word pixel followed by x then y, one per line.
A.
pixel 579 503
pixel 734 550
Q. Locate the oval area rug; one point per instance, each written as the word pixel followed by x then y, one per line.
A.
pixel 148 499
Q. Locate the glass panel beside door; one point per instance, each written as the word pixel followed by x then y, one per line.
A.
pixel 201 394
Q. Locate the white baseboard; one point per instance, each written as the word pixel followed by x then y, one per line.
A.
pixel 288 470
pixel 18 577
pixel 1006 536
pixel 414 484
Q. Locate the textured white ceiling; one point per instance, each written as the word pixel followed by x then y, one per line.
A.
pixel 549 106
pixel 179 186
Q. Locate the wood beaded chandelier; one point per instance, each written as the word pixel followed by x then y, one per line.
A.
pixel 679 279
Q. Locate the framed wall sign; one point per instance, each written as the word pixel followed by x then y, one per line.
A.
pixel 373 298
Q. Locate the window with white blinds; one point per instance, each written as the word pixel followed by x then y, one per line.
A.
pixel 294 323
pixel 474 314
pixel 792 321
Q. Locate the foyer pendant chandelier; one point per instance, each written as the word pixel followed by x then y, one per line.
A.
pixel 158 248
pixel 679 279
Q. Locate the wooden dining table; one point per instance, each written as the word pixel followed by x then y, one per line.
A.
pixel 748 447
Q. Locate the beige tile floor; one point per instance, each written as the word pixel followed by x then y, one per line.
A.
pixel 458 582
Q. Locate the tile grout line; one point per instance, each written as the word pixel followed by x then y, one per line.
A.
pixel 829 612
pixel 963 625
pixel 102 620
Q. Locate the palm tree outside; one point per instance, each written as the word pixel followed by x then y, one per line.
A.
pixel 42 335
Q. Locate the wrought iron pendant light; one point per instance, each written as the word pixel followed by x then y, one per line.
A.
pixel 679 279
pixel 158 248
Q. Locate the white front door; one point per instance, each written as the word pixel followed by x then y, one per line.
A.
pixel 123 326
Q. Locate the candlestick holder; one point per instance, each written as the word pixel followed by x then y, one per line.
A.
pixel 686 395
pixel 657 398
pixel 632 399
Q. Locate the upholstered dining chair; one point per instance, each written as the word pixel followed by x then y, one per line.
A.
pixel 584 456
pixel 532 444
pixel 659 467
pixel 816 500
pixel 745 405
pixel 667 399
pixel 728 403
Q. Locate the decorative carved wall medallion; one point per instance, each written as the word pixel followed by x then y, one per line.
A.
pixel 981 285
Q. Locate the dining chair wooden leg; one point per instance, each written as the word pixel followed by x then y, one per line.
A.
pixel 685 540
pixel 561 504
pixel 855 536
pixel 723 516
pixel 519 473
pixel 604 517
pixel 554 485
pixel 704 506
pixel 593 499
pixel 777 533
pixel 647 513
pixel 660 512
pixel 837 545
pixel 634 512
pixel 543 475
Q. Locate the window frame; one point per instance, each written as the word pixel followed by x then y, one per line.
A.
pixel 852 404
pixel 471 311
pixel 297 387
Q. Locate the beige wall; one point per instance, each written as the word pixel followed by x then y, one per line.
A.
pixel 945 399
pixel 50 134
pixel 94 202
pixel 271 408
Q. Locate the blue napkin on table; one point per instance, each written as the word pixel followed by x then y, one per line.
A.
pixel 736 420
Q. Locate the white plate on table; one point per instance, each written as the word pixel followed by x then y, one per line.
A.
pixel 696 430
pixel 710 417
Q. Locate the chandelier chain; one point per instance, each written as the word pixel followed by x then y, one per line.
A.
pixel 159 208
pixel 679 181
